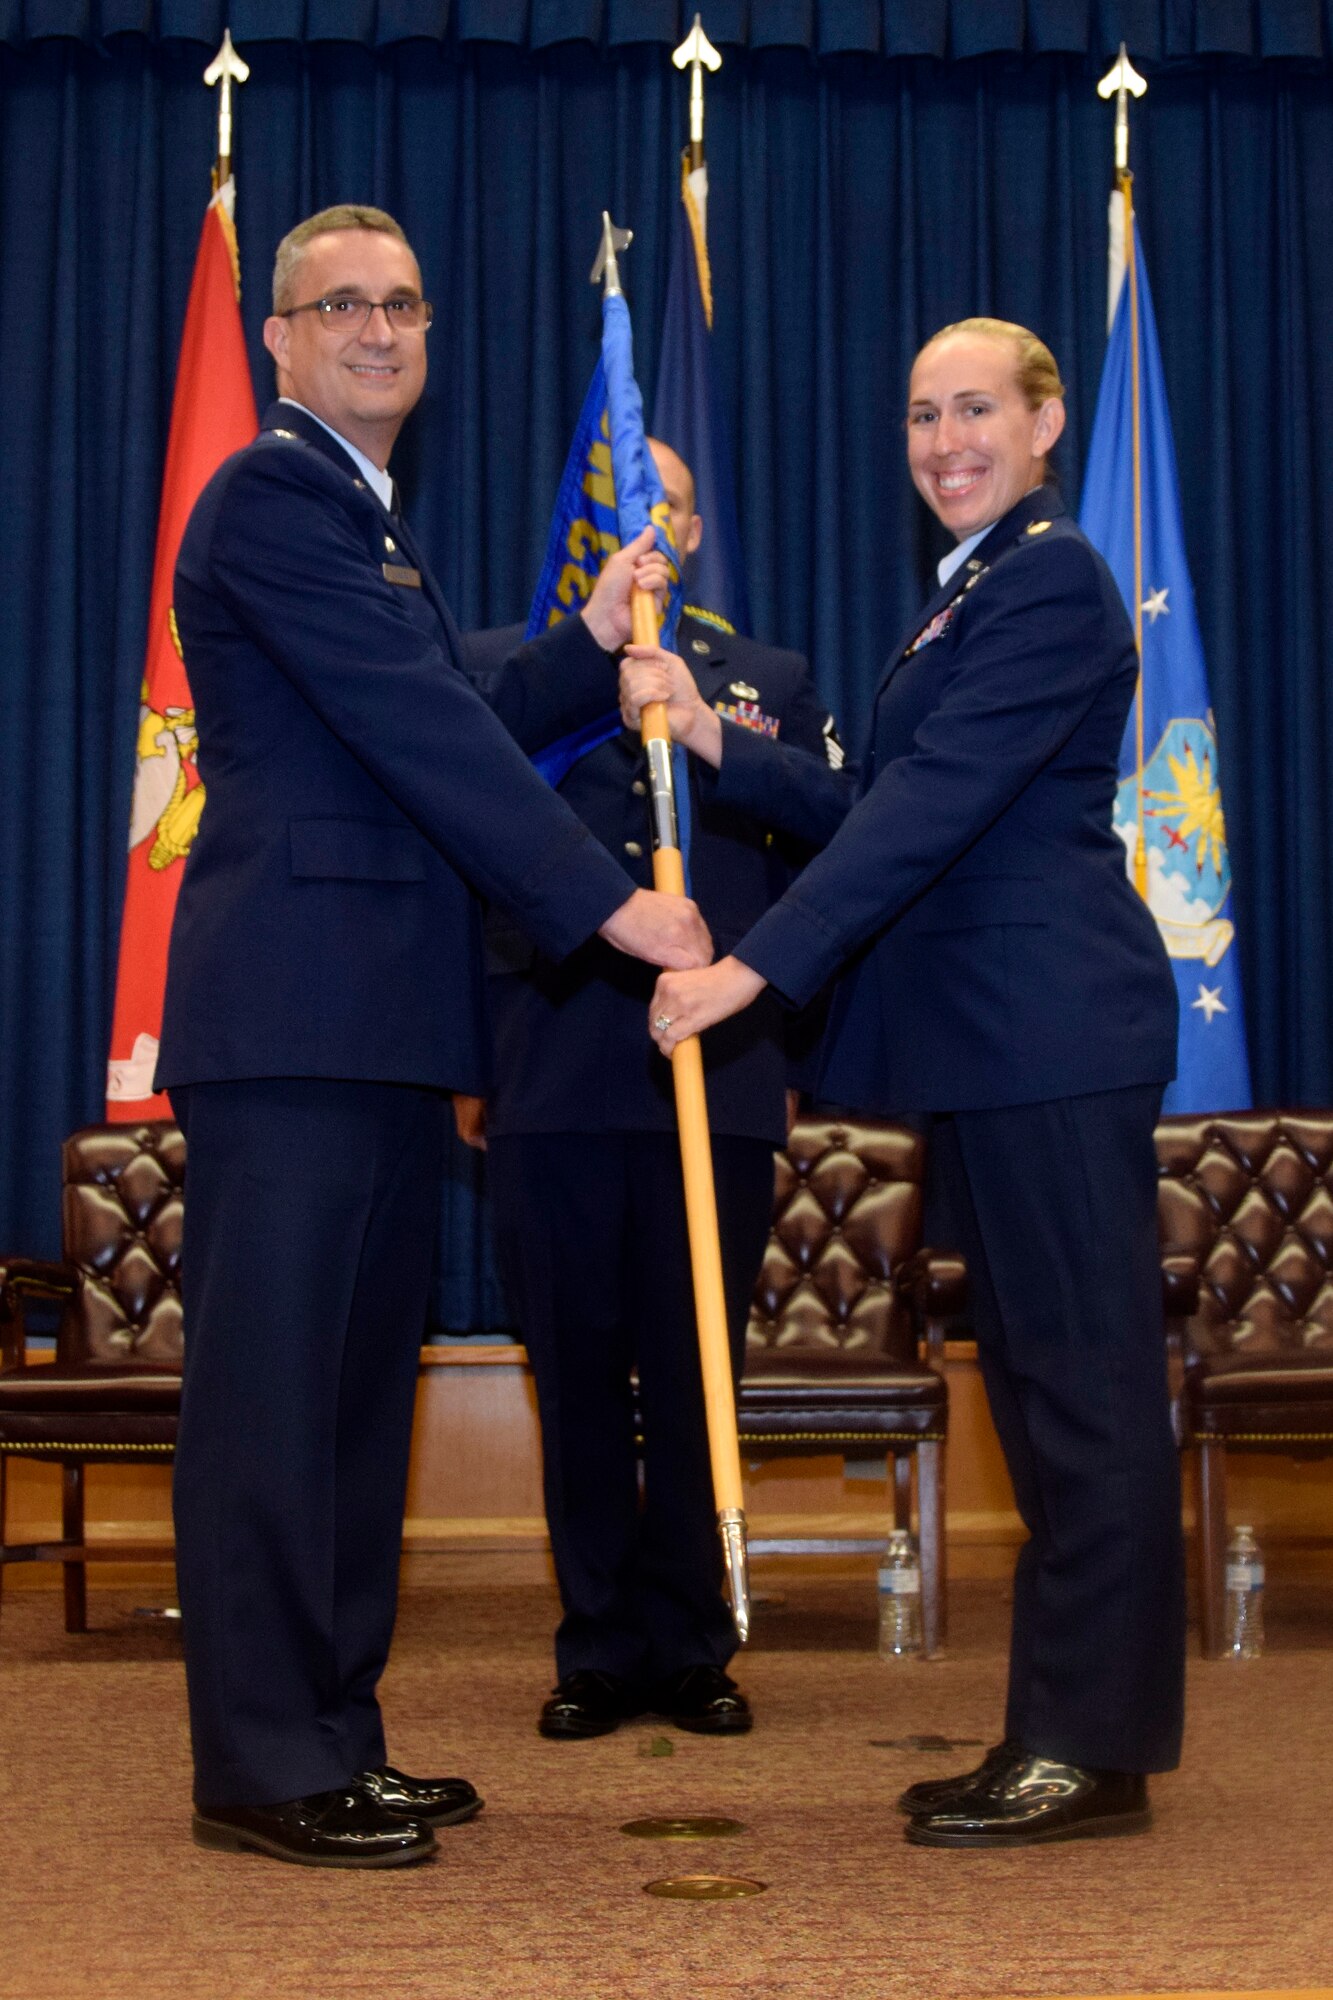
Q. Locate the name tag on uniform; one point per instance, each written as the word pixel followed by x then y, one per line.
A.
pixel 400 573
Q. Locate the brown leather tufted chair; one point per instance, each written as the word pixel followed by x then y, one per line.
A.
pixel 1245 1211
pixel 832 1354
pixel 113 1388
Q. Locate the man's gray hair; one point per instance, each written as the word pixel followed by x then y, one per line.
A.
pixel 347 215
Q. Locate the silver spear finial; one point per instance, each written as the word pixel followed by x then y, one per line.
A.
pixel 606 269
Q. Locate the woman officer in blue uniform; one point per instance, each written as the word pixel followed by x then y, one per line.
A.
pixel 998 976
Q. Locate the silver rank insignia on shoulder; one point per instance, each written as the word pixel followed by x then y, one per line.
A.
pixel 700 646
pixel 1038 527
pixel 743 691
pixel 292 435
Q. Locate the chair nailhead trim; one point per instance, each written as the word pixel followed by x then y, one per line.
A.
pixel 78 1450
pixel 892 1440
pixel 1261 1437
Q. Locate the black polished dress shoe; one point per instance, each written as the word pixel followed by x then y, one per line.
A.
pixel 929 1794
pixel 439 1801
pixel 342 1829
pixel 704 1699
pixel 1037 1799
pixel 588 1703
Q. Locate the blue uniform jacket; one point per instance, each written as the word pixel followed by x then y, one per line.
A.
pixel 572 1046
pixel 975 892
pixel 359 790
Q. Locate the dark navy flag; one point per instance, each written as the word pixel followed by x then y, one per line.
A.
pixel 688 413
pixel 1176 799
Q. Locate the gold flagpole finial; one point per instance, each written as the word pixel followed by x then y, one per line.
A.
pixel 226 68
pixel 696 53
pixel 1122 81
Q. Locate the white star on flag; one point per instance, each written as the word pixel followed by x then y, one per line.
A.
pixel 1155 604
pixel 1210 1001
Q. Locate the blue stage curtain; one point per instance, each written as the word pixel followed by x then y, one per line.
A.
pixel 1158 30
pixel 877 168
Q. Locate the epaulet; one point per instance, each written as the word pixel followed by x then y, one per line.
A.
pixel 713 618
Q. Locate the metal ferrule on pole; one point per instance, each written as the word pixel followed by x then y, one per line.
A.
pixel 661 794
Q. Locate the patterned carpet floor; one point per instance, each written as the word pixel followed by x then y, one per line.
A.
pixel 102 1893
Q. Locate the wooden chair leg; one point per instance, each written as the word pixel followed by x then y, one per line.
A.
pixel 930 1515
pixel 1210 1489
pixel 902 1489
pixel 76 1568
pixel 4 1516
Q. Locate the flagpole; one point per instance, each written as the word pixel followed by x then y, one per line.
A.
pixel 687 1075
pixel 1122 79
pixel 696 53
pixel 225 69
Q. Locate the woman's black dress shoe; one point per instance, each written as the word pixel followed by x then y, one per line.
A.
pixel 341 1829
pixel 1037 1799
pixel 439 1801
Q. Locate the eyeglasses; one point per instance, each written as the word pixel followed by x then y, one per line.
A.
pixel 348 312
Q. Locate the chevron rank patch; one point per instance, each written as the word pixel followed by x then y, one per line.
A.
pixel 833 749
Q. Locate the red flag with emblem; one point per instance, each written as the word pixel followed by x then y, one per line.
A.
pixel 212 415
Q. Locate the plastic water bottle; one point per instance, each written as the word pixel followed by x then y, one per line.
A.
pixel 1245 1596
pixel 899 1599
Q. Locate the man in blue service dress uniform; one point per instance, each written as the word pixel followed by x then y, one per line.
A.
pixel 325 991
pixel 584 1172
pixel 1001 977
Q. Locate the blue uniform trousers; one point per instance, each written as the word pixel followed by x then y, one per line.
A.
pixel 309 1230
pixel 592 1235
pixel 1054 1207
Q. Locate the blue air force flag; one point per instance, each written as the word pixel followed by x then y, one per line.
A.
pixel 688 413
pixel 609 491
pixel 1177 796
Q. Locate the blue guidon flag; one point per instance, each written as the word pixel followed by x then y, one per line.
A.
pixel 1189 874
pixel 609 492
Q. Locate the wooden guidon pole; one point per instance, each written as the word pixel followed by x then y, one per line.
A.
pixel 696 1159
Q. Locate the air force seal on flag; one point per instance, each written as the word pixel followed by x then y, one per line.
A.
pixel 1189 874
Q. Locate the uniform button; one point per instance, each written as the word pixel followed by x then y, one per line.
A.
pixel 390 544
pixel 634 848
pixel 639 789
